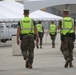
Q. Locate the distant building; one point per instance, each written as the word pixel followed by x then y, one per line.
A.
pixel 58 12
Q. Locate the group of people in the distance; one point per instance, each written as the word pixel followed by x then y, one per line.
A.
pixel 52 33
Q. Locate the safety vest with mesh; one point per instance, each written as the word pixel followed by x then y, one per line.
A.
pixel 67 25
pixel 27 26
pixel 52 29
pixel 39 27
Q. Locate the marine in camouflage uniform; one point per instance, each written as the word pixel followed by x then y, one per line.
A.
pixel 53 32
pixel 40 33
pixel 67 40
pixel 27 39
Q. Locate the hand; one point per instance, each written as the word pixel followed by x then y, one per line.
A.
pixel 18 41
pixel 37 39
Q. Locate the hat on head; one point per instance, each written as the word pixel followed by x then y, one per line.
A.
pixel 52 21
pixel 26 11
pixel 65 10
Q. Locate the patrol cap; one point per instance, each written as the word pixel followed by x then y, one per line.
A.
pixel 65 11
pixel 26 11
pixel 52 21
pixel 39 22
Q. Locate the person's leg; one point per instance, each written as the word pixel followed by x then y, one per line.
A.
pixel 64 50
pixel 53 41
pixel 53 44
pixel 31 51
pixel 71 47
pixel 24 45
pixel 41 39
pixel 40 42
pixel 37 43
pixel 24 48
pixel 31 57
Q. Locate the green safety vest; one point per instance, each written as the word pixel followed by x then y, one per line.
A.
pixel 67 25
pixel 39 27
pixel 52 29
pixel 27 26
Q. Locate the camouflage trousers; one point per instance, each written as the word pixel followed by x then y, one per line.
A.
pixel 53 37
pixel 67 48
pixel 40 37
pixel 27 47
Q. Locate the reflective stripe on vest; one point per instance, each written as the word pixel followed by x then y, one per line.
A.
pixel 67 25
pixel 39 27
pixel 52 28
pixel 27 25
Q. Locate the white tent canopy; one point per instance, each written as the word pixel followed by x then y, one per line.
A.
pixel 13 11
pixel 41 15
pixel 10 10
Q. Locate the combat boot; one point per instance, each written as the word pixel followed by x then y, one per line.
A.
pixel 70 64
pixel 52 46
pixel 30 66
pixel 37 46
pixel 27 63
pixel 24 58
pixel 40 46
pixel 67 63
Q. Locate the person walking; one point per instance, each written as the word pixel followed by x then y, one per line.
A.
pixel 53 32
pixel 67 27
pixel 40 33
pixel 25 31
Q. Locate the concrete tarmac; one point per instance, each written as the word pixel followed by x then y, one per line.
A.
pixel 47 61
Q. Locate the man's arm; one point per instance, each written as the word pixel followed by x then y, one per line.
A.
pixel 36 31
pixel 43 29
pixel 56 29
pixel 18 34
pixel 74 26
pixel 59 26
